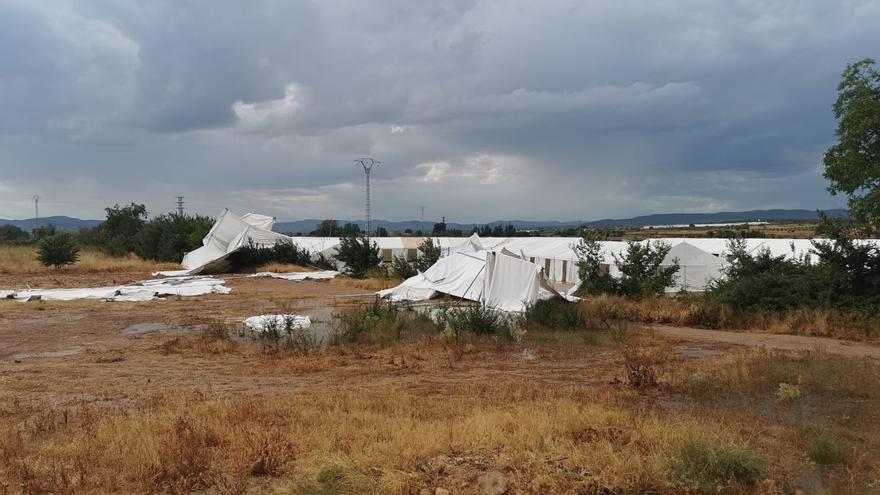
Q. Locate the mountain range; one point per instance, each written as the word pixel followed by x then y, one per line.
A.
pixel 306 226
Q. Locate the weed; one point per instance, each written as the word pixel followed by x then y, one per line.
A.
pixel 555 314
pixel 337 478
pixel 711 463
pixel 480 320
pixel 787 392
pixel 824 450
pixel 642 365
pixel 287 334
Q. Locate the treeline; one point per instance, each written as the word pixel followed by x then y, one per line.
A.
pixel 126 230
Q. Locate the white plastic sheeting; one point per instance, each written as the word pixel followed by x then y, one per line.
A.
pixel 459 275
pixel 282 322
pixel 299 276
pixel 229 233
pixel 147 290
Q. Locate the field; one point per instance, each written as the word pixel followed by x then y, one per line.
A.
pixel 167 396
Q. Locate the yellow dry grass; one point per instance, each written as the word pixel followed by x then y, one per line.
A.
pixel 23 259
pixel 283 268
pixel 696 312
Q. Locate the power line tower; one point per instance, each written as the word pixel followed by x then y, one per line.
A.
pixel 422 220
pixel 367 163
pixel 180 206
pixel 36 209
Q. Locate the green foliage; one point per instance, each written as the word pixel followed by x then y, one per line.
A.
pixel 429 254
pixel 824 450
pixel 251 256
pixel 555 314
pixel 11 233
pixel 853 164
pixel 379 321
pixel 286 334
pixel 358 254
pixel 118 235
pixel 337 479
pixel 642 271
pixel 44 231
pixel 846 275
pixel 592 269
pixel 327 228
pixel 479 319
pixel 710 464
pixel 169 237
pixel 58 250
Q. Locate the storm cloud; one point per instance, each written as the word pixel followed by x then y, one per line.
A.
pixel 478 110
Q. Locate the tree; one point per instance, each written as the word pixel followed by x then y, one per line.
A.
pixel 594 276
pixel 327 228
pixel 439 228
pixel 853 164
pixel 358 254
pixel 58 250
pixel 430 254
pixel 381 232
pixel 350 229
pixel 119 232
pixel 169 237
pixel 11 233
pixel 642 272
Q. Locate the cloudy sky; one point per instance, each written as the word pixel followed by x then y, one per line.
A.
pixel 478 110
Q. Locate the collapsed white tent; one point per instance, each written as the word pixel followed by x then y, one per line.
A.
pixel 498 279
pixel 229 233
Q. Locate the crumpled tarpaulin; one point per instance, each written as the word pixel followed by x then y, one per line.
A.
pixel 146 290
pixel 281 322
pixel 299 276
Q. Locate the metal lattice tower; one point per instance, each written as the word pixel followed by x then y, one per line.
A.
pixel 367 163
pixel 180 206
pixel 36 210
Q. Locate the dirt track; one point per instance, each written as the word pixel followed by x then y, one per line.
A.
pixel 773 341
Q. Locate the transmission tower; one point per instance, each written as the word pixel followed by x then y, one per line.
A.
pixel 422 220
pixel 180 206
pixel 367 163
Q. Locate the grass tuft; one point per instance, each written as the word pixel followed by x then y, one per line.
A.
pixel 712 464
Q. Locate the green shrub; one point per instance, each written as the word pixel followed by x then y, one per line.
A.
pixel 555 314
pixel 358 254
pixel 592 269
pixel 710 464
pixel 401 268
pixel 251 256
pixel 479 319
pixel 169 237
pixel 379 321
pixel 58 250
pixel 824 450
pixel 642 272
pixel 287 335
pixel 11 233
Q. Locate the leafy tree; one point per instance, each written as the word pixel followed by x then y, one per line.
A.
pixel 430 253
pixel 58 250
pixel 381 232
pixel 642 270
pixel 11 233
pixel 327 228
pixel 401 268
pixel 168 237
pixel 592 270
pixel 119 232
pixel 853 164
pixel 439 228
pixel 350 229
pixel 358 254
pixel 44 231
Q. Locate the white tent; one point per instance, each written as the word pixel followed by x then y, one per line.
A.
pixel 697 268
pixel 229 233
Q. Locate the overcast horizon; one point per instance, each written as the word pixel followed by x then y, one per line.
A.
pixel 478 110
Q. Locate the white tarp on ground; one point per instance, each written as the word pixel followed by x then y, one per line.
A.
pixel 147 290
pixel 281 322
pixel 697 268
pixel 299 276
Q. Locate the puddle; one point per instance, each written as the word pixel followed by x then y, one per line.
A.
pixel 694 352
pixel 48 354
pixel 142 328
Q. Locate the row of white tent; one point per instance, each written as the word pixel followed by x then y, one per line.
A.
pixel 700 259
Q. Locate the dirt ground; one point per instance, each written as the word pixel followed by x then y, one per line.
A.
pixel 119 357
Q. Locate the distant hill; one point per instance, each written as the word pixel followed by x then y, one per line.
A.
pixel 306 226
pixel 61 222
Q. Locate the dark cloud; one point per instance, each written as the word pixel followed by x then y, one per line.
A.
pixel 596 108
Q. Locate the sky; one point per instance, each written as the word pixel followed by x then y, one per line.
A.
pixel 477 110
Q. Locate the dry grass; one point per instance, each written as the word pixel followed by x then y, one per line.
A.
pixel 283 268
pixel 692 311
pixel 372 284
pixel 23 259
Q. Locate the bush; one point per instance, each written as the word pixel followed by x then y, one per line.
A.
pixel 825 451
pixel 251 256
pixel 118 235
pixel 555 314
pixel 642 271
pixel 429 254
pixel 401 268
pixel 592 269
pixel 170 237
pixel 479 320
pixel 710 464
pixel 379 320
pixel 358 254
pixel 58 250
pixel 11 233
pixel 287 335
